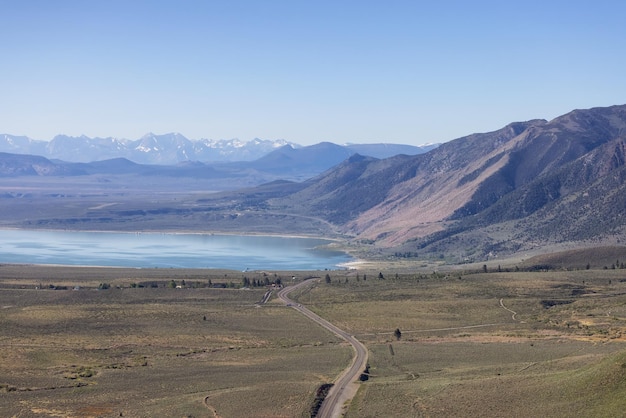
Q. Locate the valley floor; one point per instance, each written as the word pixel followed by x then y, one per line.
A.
pixel 81 341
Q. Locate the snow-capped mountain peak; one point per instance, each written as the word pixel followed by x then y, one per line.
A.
pixel 151 148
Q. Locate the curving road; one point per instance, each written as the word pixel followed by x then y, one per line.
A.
pixel 345 386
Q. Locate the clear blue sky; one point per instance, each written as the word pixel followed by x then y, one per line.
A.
pixel 306 71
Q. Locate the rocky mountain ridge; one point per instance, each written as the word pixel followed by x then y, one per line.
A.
pixel 525 184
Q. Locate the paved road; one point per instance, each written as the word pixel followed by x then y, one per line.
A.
pixel 345 386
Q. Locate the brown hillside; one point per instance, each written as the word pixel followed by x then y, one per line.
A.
pixel 515 188
pixel 467 176
pixel 595 257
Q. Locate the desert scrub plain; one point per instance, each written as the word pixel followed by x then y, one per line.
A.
pixel 154 351
pixel 473 343
pixel 495 344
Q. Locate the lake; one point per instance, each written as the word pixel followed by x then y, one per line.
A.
pixel 235 252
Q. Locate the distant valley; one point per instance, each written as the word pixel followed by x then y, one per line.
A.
pixel 524 188
pixel 284 163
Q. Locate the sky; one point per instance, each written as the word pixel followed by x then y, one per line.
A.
pixel 410 72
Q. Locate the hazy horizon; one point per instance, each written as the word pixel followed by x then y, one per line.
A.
pixel 244 140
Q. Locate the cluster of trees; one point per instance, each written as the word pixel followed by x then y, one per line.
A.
pixel 246 282
pixel 52 287
pixel 406 254
pixel 320 395
pixel 328 279
pixel 616 265
pixel 364 377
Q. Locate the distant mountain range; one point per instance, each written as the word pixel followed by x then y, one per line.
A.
pixel 172 148
pixel 530 186
pixel 284 163
pixel 166 149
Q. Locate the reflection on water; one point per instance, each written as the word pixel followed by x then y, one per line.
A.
pixel 166 250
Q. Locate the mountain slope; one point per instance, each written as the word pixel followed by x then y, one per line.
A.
pixel 382 195
pixel 308 161
pixel 388 150
pixel 15 165
pixel 529 182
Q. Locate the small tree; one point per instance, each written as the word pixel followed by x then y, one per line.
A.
pixel 397 334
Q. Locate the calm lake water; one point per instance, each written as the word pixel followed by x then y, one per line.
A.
pixel 167 250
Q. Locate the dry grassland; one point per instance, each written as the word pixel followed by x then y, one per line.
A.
pixel 146 352
pixel 484 345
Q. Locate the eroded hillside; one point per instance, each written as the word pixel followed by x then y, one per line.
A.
pixel 526 185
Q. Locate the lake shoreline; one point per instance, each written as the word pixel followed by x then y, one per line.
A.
pixel 171 249
pixel 177 232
